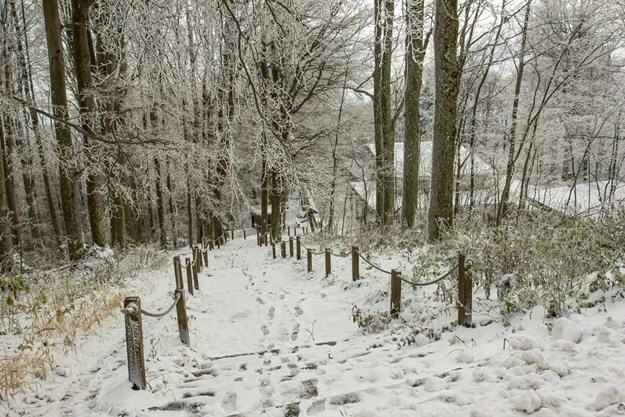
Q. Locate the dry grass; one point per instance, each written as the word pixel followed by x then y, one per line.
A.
pixel 58 310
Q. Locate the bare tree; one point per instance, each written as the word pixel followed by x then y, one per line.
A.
pixel 440 210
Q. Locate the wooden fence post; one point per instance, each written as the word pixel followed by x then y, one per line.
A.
pixel 289 231
pixel 244 235
pixel 395 293
pixel 134 342
pixel 273 249
pixel 178 272
pixel 205 256
pixel 183 321
pixel 232 234
pixel 328 261
pixel 298 248
pixel 291 246
pixel 196 282
pixel 355 263
pixel 309 259
pixel 258 236
pixel 266 236
pixel 283 248
pixel 189 276
pixel 465 293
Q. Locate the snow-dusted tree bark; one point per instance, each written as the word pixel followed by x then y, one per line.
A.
pixel 83 50
pixel 384 121
pixel 67 163
pixel 416 45
pixel 440 210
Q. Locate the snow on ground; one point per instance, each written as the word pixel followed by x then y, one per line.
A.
pixel 270 339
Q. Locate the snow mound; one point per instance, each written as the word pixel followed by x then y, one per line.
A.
pixel 564 328
pixel 606 397
pixel 434 384
pixel 527 401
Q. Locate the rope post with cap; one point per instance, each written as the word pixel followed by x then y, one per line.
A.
pixel 298 246
pixel 283 249
pixel 355 263
pixel 205 256
pixel 291 246
pixel 328 255
pixel 134 342
pixel 309 259
pixel 395 293
pixel 189 275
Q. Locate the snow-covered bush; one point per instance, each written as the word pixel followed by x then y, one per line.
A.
pixel 541 258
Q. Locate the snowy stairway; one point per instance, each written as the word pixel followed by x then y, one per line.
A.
pixel 297 381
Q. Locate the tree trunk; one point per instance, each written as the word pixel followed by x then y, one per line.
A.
pixel 505 194
pixel 440 210
pixel 383 118
pixel 160 204
pixel 67 168
pixel 415 54
pixel 83 64
pixel 6 242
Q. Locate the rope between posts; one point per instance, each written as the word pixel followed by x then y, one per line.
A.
pixel 424 284
pixel 338 255
pixel 164 313
pixel 373 265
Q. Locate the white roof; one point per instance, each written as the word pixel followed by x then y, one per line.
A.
pixel 582 199
pixel 425 166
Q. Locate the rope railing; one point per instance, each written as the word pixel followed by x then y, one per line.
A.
pixel 465 283
pixel 159 314
pixel 134 324
pixel 436 281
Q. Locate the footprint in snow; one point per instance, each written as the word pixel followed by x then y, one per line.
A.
pixel 264 329
pixel 298 311
pixel 272 312
pixel 295 332
pixel 260 301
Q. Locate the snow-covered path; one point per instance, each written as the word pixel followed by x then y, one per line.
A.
pixel 270 339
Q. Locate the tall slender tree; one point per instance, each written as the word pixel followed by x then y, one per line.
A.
pixel 440 210
pixel 67 161
pixel 416 45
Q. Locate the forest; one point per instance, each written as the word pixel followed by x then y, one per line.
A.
pixel 134 122
pixel 416 131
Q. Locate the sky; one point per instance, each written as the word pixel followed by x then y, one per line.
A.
pixel 267 338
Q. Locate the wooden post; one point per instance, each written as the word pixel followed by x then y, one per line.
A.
pixel 355 263
pixel 210 245
pixel 189 276
pixel 328 261
pixel 183 321
pixel 197 258
pixel 289 231
pixel 205 256
pixel 309 259
pixel 395 293
pixel 273 249
pixel 266 237
pixel 298 248
pixel 134 342
pixel 244 235
pixel 218 243
pixel 283 248
pixel 465 293
pixel 257 235
pixel 178 272
pixel 196 282
pixel 291 246
pixel 232 235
